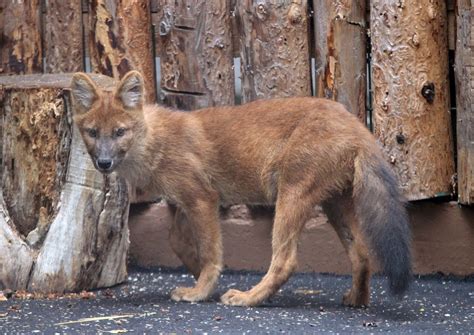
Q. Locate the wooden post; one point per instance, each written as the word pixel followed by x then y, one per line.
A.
pixel 411 97
pixel 121 40
pixel 340 53
pixel 20 50
pixel 70 231
pixel 274 49
pixel 464 100
pixel 196 58
pixel 63 36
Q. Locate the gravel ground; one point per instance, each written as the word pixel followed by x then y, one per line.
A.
pixel 308 303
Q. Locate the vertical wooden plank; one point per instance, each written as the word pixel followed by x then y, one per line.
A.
pixel 120 40
pixel 411 94
pixel 273 48
pixel 154 6
pixel 340 52
pixel 196 58
pixel 21 41
pixel 464 65
pixel 63 36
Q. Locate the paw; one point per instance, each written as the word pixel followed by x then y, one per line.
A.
pixel 355 300
pixel 189 294
pixel 237 298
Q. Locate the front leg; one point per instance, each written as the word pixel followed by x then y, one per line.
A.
pixel 203 218
pixel 183 242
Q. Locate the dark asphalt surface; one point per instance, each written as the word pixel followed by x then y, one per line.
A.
pixel 308 303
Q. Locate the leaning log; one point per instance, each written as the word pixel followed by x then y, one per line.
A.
pixel 63 226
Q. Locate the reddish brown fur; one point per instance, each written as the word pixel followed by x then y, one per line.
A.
pixel 295 153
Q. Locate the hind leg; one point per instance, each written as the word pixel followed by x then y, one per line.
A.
pixel 341 215
pixel 183 242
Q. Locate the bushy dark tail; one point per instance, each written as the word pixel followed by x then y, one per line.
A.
pixel 381 210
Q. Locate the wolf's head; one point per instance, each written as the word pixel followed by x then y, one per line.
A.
pixel 109 122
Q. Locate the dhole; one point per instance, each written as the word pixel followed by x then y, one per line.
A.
pixel 295 153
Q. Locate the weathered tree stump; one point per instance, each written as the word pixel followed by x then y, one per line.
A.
pixel 63 226
pixel 411 93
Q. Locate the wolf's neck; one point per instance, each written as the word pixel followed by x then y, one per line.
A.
pixel 144 157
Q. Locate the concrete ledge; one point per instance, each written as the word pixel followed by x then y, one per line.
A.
pixel 443 239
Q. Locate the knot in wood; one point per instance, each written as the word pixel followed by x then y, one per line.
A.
pixel 428 92
pixel 294 14
pixel 262 11
pixel 400 139
pixel 415 39
pixel 165 28
pixel 166 23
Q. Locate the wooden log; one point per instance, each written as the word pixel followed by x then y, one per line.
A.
pixel 21 50
pixel 340 53
pixel 63 36
pixel 63 226
pixel 411 93
pixel 120 40
pixel 274 49
pixel 464 65
pixel 196 58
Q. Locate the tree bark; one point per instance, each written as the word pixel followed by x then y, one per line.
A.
pixel 63 36
pixel 63 226
pixel 121 40
pixel 274 49
pixel 465 103
pixel 196 58
pixel 340 53
pixel 411 97
pixel 21 50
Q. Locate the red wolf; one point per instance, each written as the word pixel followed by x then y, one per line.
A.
pixel 295 153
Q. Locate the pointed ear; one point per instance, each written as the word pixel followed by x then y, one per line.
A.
pixel 84 91
pixel 130 90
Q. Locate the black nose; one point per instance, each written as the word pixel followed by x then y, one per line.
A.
pixel 104 164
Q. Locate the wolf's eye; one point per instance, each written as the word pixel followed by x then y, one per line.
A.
pixel 120 132
pixel 91 132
